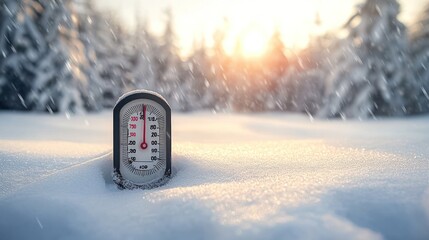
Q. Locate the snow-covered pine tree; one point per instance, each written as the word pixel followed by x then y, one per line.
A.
pixel 168 66
pixel 117 66
pixel 18 52
pixel 42 58
pixel 197 78
pixel 143 58
pixel 93 94
pixel 218 84
pixel 275 63
pixel 420 56
pixel 373 76
pixel 183 97
pixel 241 77
pixel 302 84
pixel 59 80
pixel 109 42
pixel 302 91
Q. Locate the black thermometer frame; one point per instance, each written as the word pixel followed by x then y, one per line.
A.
pixel 116 127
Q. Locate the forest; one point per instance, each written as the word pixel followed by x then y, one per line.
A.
pixel 66 56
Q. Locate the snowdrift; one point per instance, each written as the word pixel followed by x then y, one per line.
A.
pixel 259 176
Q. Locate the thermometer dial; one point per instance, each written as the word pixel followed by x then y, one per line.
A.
pixel 142 140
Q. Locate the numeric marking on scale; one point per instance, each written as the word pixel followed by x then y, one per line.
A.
pixel 144 137
pixel 142 149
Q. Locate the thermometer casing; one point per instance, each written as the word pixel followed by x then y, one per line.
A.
pixel 124 101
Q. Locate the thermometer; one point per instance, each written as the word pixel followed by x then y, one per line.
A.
pixel 141 140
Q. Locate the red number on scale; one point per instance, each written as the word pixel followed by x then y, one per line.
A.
pixel 133 126
pixel 134 119
pixel 132 134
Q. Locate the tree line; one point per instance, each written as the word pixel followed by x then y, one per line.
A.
pixel 67 56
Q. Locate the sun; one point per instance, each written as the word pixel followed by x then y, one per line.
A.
pixel 253 43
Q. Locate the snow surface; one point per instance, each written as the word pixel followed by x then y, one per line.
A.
pixel 256 176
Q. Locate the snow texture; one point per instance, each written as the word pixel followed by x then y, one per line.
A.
pixel 255 176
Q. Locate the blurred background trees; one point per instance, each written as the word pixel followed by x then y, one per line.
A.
pixel 372 75
pixel 420 60
pixel 67 56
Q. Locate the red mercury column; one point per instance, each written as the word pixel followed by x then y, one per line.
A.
pixel 143 145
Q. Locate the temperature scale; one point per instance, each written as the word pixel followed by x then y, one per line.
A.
pixel 141 140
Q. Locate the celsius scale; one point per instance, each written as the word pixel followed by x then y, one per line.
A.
pixel 141 140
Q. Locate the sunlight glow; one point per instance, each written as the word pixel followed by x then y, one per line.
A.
pixel 253 44
pixel 253 27
pixel 200 19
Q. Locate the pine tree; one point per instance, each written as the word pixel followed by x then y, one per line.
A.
pixel 198 75
pixel 143 58
pixel 111 47
pixel 86 14
pixel 59 81
pixel 168 66
pixel 275 63
pixel 42 58
pixel 302 84
pixel 420 54
pixel 116 69
pixel 219 84
pixel 18 51
pixel 371 73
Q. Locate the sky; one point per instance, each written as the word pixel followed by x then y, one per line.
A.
pixel 251 21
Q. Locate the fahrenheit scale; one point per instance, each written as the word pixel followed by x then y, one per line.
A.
pixel 141 140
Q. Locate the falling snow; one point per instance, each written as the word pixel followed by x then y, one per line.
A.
pixel 85 60
pixel 238 173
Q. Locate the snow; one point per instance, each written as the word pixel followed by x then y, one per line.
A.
pixel 37 146
pixel 236 176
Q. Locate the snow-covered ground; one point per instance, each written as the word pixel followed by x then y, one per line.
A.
pixel 258 176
